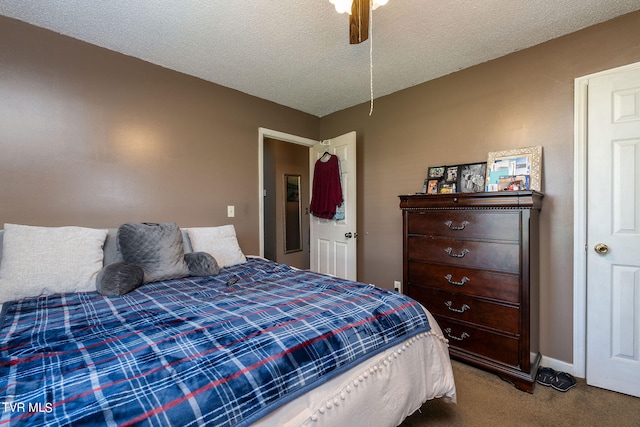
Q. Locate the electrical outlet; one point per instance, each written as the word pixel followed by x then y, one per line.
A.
pixel 397 286
pixel 231 211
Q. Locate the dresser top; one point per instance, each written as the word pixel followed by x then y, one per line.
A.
pixel 489 200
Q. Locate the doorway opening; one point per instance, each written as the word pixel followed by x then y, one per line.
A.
pixel 284 215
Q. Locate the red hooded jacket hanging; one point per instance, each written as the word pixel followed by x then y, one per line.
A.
pixel 327 190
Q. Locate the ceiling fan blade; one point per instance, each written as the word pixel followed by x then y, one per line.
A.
pixel 359 21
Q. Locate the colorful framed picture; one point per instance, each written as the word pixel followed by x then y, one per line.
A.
pixel 435 172
pixel 446 187
pixel 520 165
pixel 451 174
pixel 432 186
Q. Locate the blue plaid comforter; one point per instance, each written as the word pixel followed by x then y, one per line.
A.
pixel 222 350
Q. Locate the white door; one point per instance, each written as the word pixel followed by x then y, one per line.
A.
pixel 613 232
pixel 333 242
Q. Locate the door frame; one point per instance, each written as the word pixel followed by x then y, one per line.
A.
pixel 269 133
pixel 580 140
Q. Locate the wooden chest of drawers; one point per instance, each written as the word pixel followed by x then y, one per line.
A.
pixel 472 260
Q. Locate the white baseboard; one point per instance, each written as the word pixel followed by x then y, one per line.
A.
pixel 557 365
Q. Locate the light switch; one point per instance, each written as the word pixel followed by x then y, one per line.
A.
pixel 231 211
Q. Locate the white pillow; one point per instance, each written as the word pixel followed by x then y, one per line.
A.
pixel 48 260
pixel 221 242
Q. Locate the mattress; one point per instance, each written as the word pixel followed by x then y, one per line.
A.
pixel 212 351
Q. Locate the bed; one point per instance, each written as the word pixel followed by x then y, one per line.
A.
pixel 257 343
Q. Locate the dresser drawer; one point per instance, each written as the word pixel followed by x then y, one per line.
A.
pixel 489 225
pixel 469 309
pixel 488 284
pixel 465 253
pixel 488 345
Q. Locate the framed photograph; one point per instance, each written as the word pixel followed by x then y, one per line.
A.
pixel 446 187
pixel 451 174
pixel 471 177
pixel 435 172
pixel 520 165
pixel 512 183
pixel 432 186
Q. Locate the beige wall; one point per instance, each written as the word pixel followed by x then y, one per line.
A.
pixel 94 138
pixel 523 99
pixel 90 137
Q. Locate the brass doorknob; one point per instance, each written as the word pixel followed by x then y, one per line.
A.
pixel 601 248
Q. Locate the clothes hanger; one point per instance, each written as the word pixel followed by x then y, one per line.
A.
pixel 326 153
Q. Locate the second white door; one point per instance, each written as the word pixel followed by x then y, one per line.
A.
pixel 334 242
pixel 613 232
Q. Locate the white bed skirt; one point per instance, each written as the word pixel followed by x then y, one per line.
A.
pixel 380 392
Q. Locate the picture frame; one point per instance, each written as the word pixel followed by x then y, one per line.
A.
pixel 432 186
pixel 446 187
pixel 451 173
pixel 472 177
pixel 521 164
pixel 435 172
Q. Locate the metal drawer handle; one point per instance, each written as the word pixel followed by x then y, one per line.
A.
pixel 462 309
pixel 460 338
pixel 464 280
pixel 460 255
pixel 454 227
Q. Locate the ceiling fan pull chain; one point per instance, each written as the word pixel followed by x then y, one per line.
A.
pixel 359 24
pixel 371 52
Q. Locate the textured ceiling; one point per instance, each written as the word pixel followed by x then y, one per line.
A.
pixel 296 52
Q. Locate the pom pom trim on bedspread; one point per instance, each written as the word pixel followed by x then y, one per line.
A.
pixel 360 380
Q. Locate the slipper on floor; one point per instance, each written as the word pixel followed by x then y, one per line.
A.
pixel 563 382
pixel 546 376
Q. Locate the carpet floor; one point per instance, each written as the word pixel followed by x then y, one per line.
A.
pixel 486 400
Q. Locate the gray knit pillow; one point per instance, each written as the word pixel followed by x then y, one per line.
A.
pixel 201 264
pixel 119 278
pixel 157 248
